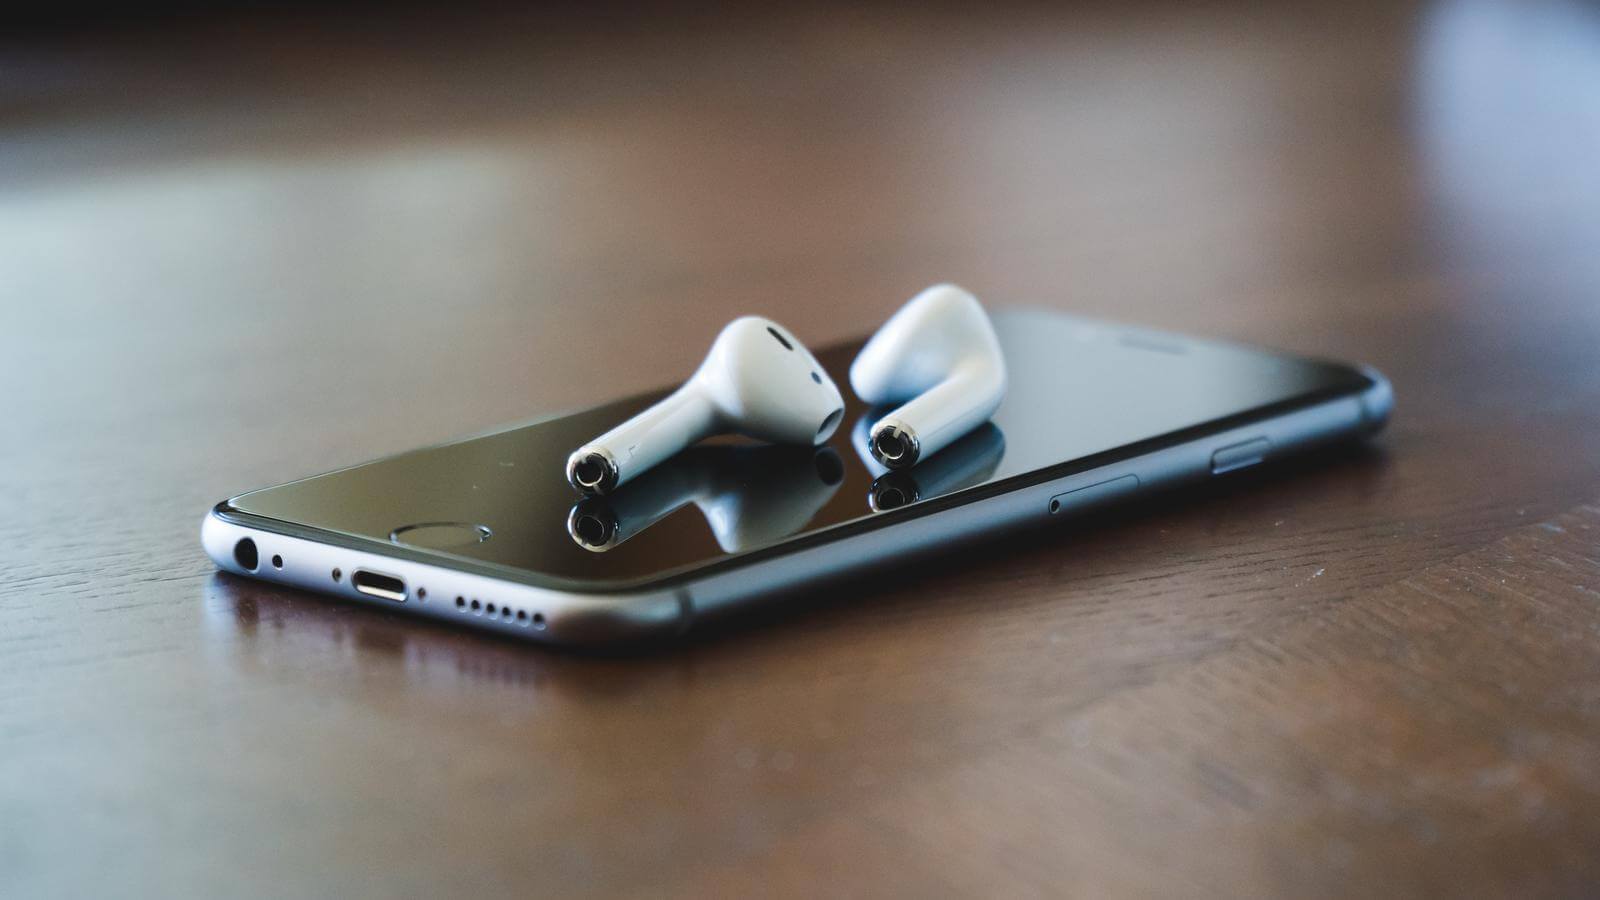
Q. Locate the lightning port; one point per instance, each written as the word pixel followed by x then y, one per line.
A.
pixel 375 585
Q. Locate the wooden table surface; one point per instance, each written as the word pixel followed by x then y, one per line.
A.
pixel 239 250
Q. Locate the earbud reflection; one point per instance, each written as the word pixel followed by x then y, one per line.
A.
pixel 748 495
pixel 969 461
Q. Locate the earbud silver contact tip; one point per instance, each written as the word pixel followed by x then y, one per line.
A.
pixel 592 470
pixel 895 445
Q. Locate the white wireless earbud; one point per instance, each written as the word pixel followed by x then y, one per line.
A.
pixel 757 381
pixel 750 496
pixel 939 356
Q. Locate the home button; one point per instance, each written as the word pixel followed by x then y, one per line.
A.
pixel 440 535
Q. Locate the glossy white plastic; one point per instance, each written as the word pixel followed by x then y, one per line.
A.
pixel 938 357
pixel 757 380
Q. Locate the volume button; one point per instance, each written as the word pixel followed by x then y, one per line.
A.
pixel 1239 456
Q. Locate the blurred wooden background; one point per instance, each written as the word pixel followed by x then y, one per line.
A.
pixel 241 248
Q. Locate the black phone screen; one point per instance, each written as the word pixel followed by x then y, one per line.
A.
pixel 1077 389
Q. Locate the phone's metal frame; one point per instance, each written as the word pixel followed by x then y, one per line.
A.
pixel 525 605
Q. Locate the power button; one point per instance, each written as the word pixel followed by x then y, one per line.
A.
pixel 1239 456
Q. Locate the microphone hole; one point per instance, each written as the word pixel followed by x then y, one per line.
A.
pixel 890 446
pixel 590 471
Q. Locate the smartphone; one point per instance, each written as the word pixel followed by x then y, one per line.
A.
pixel 485 532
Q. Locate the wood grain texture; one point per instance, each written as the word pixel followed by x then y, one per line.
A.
pixel 240 250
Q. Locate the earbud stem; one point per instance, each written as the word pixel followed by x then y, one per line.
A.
pixel 680 419
pixel 939 357
pixel 941 414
